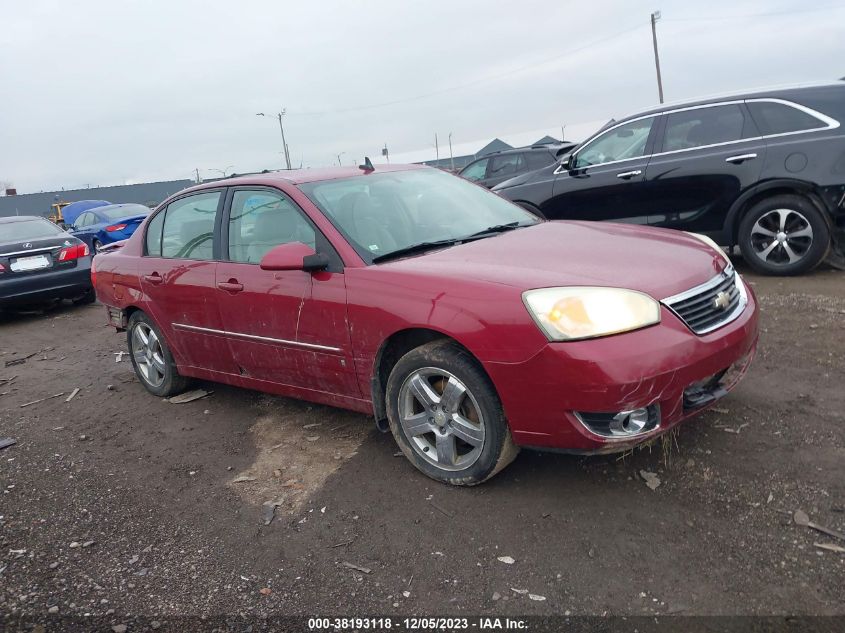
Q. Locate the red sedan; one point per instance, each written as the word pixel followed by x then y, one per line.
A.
pixel 461 322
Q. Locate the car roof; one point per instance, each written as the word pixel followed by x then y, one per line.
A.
pixel 96 210
pixel 299 176
pixel 21 218
pixel 783 92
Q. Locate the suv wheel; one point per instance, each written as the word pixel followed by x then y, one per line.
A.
pixel 784 235
pixel 446 416
pixel 151 358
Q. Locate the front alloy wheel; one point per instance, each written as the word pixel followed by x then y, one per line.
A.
pixel 441 418
pixel 446 416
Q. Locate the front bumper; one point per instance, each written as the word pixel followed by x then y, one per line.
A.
pixel 628 371
pixel 46 285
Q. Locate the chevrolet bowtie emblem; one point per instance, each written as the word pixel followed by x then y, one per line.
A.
pixel 722 300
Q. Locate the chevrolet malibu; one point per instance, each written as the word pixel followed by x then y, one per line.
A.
pixel 465 325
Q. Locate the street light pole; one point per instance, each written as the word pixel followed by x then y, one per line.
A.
pixel 338 158
pixel 282 130
pixel 654 18
pixel 451 158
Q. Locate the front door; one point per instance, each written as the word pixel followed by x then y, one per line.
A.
pixel 706 158
pixel 605 179
pixel 285 327
pixel 177 275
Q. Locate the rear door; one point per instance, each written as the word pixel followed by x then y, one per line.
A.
pixel 178 278
pixel 706 157
pixel 284 327
pixel 605 178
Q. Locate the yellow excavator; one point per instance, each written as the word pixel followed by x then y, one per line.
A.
pixel 56 215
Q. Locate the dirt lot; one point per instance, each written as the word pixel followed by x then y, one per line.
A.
pixel 120 503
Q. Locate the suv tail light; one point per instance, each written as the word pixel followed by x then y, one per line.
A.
pixel 115 227
pixel 74 252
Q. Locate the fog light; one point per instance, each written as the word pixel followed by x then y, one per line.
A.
pixel 622 424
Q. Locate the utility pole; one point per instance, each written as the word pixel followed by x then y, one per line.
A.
pixel 338 158
pixel 451 158
pixel 385 153
pixel 282 129
pixel 562 132
pixel 198 175
pixel 654 18
pixel 436 148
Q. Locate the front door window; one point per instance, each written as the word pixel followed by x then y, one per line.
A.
pixel 620 143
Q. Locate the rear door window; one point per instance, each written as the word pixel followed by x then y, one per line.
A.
pixel 698 127
pixel 153 241
pixel 536 160
pixel 188 231
pixel 779 118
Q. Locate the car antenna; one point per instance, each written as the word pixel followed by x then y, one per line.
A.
pixel 368 165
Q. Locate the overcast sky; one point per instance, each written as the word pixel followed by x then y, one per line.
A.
pixel 98 92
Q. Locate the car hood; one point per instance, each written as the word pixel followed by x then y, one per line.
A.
pixel 658 262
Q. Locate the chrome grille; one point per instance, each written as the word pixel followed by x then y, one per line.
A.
pixel 712 304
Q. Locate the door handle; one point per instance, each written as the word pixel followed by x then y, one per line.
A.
pixel 154 279
pixel 629 174
pixel 230 286
pixel 740 158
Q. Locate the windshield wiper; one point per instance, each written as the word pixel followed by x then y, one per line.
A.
pixel 496 228
pixel 416 248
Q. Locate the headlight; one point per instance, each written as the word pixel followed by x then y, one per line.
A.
pixel 712 244
pixel 567 314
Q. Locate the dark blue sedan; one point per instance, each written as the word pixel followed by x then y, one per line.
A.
pixel 104 225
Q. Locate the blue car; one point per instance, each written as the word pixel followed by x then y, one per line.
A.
pixel 104 225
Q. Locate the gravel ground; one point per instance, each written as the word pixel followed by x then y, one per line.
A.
pixel 119 504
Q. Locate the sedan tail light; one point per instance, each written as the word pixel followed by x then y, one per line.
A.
pixel 115 227
pixel 74 252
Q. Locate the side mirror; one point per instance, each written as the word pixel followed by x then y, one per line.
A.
pixel 568 161
pixel 293 256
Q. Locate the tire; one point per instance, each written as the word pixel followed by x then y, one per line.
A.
pixel 95 246
pixel 435 441
pixel 784 235
pixel 89 297
pixel 158 371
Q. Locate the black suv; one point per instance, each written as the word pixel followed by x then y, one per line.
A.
pixel 497 167
pixel 765 171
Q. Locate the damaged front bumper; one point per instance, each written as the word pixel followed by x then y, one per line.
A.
pixel 610 394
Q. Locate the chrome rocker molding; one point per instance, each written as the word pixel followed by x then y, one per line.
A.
pixel 253 337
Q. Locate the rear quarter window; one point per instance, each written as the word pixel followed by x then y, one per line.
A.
pixel 780 118
pixel 153 240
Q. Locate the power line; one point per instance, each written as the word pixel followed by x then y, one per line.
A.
pixel 475 82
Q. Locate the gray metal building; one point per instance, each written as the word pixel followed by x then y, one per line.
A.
pixel 148 193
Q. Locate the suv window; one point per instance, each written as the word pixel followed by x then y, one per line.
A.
pixel 703 126
pixel 477 170
pixel 620 143
pixel 260 220
pixel 539 159
pixel 189 227
pixel 507 165
pixel 779 118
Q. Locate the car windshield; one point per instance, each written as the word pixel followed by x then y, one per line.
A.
pixel 34 229
pixel 115 213
pixel 386 213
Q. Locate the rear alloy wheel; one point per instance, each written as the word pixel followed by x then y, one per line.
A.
pixel 96 246
pixel 151 357
pixel 784 235
pixel 446 416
